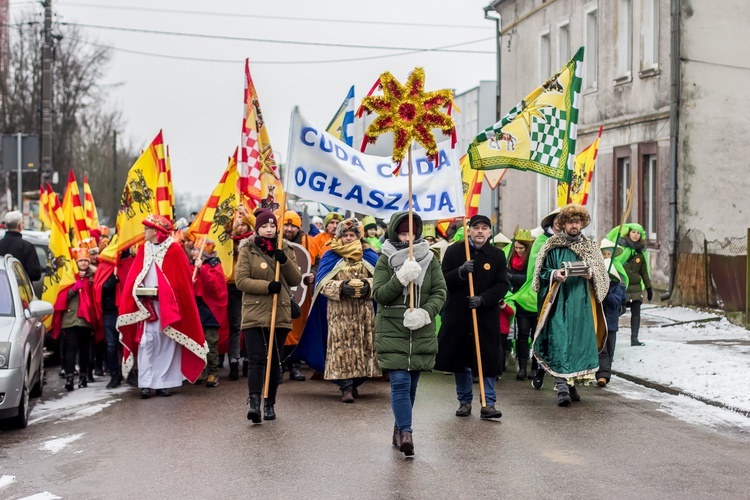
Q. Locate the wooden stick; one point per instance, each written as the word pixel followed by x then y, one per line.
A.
pixel 411 234
pixel 195 269
pixel 272 328
pixel 623 218
pixel 474 320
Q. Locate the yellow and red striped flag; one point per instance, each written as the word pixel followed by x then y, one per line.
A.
pixel 138 198
pixel 583 172
pixel 75 220
pixel 256 154
pixel 163 183
pixel 215 219
pixel 472 188
pixel 169 178
pixel 89 207
pixel 60 268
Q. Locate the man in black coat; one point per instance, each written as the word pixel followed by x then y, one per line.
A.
pixel 456 348
pixel 14 244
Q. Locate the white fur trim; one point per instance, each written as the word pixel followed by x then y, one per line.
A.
pixel 409 272
pixel 416 319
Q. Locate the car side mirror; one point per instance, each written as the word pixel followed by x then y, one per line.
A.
pixel 38 309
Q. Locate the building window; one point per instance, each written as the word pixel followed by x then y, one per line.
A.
pixel 650 35
pixel 591 55
pixel 649 189
pixel 563 38
pixel 622 181
pixel 624 38
pixel 545 59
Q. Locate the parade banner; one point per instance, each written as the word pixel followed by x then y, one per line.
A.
pixel 326 170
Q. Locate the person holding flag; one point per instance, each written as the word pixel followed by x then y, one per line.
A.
pixel 159 323
pixel 255 277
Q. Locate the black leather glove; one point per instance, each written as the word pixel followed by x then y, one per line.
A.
pixel 466 268
pixel 649 294
pixel 274 287
pixel 365 290
pixel 280 256
pixel 347 290
pixel 475 302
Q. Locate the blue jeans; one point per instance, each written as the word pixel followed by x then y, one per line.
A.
pixel 113 343
pixel 464 388
pixel 403 392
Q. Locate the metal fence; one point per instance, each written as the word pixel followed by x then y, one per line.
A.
pixel 711 273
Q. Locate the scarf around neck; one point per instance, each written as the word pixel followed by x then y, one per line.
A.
pixel 266 245
pixel 351 251
pixel 396 257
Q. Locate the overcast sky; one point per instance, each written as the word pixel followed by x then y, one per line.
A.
pixel 199 104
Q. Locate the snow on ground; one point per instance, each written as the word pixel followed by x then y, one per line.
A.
pixel 710 359
pixel 6 480
pixel 56 444
pixel 42 496
pixel 77 404
pixel 684 408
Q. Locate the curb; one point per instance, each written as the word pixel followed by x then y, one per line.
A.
pixel 678 392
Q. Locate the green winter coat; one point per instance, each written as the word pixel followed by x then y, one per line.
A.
pixel 399 348
pixel 633 261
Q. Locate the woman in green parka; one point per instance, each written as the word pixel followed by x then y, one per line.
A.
pixel 405 339
pixel 634 260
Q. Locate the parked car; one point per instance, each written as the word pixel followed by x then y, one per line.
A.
pixel 21 342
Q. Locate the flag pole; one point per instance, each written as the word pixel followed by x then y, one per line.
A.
pixel 275 304
pixel 623 218
pixel 411 232
pixel 474 320
pixel 195 269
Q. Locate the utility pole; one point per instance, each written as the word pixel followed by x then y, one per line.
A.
pixel 46 163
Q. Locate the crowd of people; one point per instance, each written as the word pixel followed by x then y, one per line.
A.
pixel 386 301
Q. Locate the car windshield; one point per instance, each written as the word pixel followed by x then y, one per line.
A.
pixel 6 299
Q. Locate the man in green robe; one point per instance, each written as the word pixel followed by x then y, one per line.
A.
pixel 571 328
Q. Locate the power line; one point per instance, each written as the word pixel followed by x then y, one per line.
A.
pixel 260 16
pixel 255 63
pixel 264 40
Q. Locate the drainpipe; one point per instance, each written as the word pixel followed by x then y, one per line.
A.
pixel 674 108
pixel 491 8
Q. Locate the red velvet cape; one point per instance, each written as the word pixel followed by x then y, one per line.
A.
pixel 178 312
pixel 86 308
pixel 211 285
pixel 103 271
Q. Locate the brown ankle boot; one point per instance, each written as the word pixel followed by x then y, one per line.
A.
pixel 396 437
pixel 407 445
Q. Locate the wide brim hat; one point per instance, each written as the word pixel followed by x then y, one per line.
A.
pixel 549 218
pixel 608 245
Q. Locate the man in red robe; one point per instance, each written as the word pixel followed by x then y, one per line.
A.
pixel 159 323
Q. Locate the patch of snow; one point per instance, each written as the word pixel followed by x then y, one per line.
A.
pixel 75 403
pixel 682 407
pixel 46 495
pixel 6 480
pixel 55 445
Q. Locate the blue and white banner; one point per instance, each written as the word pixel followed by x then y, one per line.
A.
pixel 324 169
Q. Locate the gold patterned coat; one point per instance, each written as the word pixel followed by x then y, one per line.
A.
pixel 350 352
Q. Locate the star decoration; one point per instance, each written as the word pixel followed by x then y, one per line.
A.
pixel 409 112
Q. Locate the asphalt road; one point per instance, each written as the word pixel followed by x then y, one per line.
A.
pixel 198 444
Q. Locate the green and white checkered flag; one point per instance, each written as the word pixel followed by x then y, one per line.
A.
pixel 539 133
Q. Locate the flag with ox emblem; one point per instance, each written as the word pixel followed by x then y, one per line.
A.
pixel 539 133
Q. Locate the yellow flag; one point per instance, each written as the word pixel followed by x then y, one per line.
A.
pixel 583 172
pixel 60 269
pixel 75 219
pixel 43 209
pixel 89 207
pixel 138 198
pixel 215 219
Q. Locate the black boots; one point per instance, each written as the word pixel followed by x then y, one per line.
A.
pixel 253 411
pixel 82 381
pixel 521 375
pixel 634 341
pixel 69 383
pixel 234 370
pixel 268 411
pixel 115 381
pixel 295 374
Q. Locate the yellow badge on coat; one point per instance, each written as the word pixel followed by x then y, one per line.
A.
pixel 487 266
pixel 637 260
pixel 263 265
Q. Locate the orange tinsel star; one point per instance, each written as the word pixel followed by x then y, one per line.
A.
pixel 409 112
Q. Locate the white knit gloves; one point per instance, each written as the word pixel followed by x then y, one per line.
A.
pixel 409 272
pixel 416 319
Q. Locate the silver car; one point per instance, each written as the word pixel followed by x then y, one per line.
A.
pixel 21 342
